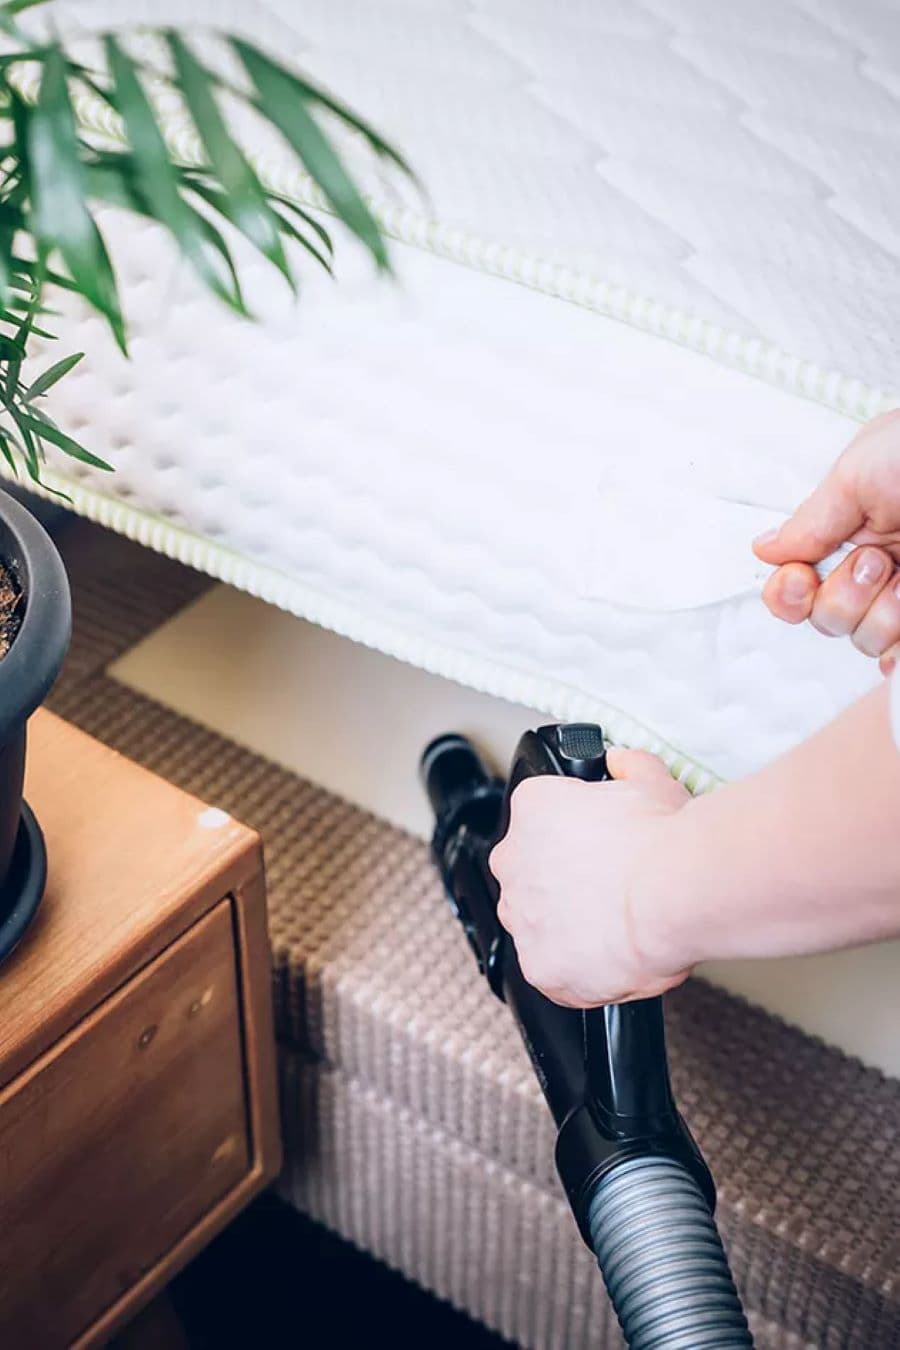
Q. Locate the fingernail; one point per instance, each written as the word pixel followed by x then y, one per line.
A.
pixel 794 588
pixel 868 568
pixel 887 664
pixel 767 537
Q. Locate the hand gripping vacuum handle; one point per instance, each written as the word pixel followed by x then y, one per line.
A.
pixel 626 1065
pixel 639 1188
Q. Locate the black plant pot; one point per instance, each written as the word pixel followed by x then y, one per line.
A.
pixel 27 673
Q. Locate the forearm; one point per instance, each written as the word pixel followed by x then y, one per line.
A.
pixel 800 857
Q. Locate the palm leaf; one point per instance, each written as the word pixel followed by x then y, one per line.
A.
pixel 214 198
pixel 52 175
pixel 48 378
pixel 13 7
pixel 157 180
pixel 29 445
pixel 8 447
pixel 243 200
pixel 7 233
pixel 37 424
pixel 284 103
pixel 116 182
pixel 61 219
pixel 315 94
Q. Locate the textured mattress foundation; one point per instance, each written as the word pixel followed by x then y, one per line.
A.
pixel 414 1126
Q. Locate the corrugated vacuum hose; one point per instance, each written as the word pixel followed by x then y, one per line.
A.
pixel 639 1188
pixel 662 1259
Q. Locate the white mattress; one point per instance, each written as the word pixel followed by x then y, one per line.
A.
pixel 423 468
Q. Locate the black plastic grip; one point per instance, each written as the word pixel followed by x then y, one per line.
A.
pixel 563 750
pixel 604 1073
pixel 625 1045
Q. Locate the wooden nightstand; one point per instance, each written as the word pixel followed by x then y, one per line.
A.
pixel 138 1101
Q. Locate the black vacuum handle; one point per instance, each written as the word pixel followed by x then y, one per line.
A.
pixel 603 1073
pixel 626 1065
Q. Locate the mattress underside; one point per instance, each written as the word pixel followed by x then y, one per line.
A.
pixel 419 467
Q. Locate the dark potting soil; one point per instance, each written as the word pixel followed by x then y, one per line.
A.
pixel 10 610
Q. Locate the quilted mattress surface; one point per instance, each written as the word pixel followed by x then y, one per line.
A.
pixel 659 245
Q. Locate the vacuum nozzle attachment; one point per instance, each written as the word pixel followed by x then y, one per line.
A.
pixel 451 768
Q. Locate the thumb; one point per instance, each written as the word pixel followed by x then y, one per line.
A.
pixel 831 515
pixel 636 766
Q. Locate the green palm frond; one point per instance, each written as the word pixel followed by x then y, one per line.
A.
pixel 53 176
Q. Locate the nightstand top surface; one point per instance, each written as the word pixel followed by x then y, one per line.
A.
pixel 133 861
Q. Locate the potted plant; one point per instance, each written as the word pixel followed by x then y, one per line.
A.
pixel 53 176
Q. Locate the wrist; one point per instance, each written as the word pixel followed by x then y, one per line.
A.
pixel 665 894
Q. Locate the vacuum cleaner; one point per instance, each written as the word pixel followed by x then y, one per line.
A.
pixel 640 1191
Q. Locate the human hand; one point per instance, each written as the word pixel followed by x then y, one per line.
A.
pixel 858 500
pixel 569 870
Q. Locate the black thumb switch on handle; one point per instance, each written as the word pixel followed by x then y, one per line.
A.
pixel 562 750
pixel 625 1050
pixel 581 751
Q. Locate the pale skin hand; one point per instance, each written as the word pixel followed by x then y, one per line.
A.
pixel 614 891
pixel 564 872
pixel 858 500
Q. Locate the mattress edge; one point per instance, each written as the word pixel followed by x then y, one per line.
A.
pixel 481 673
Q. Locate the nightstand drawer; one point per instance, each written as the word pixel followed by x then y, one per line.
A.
pixel 121 1138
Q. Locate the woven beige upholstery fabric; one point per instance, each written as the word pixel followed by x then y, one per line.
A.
pixel 414 1123
pixel 477 1234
